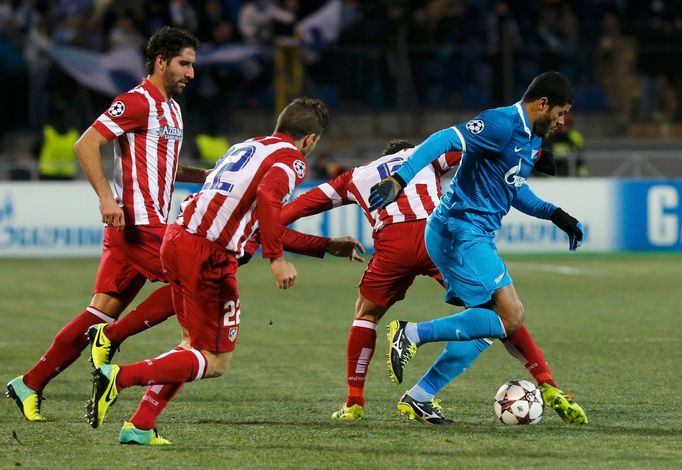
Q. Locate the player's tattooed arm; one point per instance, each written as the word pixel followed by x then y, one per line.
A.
pixel 190 174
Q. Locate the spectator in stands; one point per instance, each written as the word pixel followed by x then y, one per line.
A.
pixel 213 25
pixel 257 19
pixel 57 157
pixel 324 167
pixel 503 38
pixel 568 146
pixel 124 34
pixel 182 15
pixel 38 63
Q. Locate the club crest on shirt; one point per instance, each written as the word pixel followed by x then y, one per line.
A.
pixel 299 168
pixel 117 109
pixel 475 126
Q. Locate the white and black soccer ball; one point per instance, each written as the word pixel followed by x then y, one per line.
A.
pixel 519 402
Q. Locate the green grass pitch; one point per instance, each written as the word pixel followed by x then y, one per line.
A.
pixel 609 326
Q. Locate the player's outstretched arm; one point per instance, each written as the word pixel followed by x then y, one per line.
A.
pixel 388 190
pixel 529 203
pixel 571 226
pixel 90 157
pixel 284 272
pixel 319 199
pixel 346 247
pixel 190 174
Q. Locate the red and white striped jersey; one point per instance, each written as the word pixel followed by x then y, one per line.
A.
pixel 148 133
pixel 417 201
pixel 245 192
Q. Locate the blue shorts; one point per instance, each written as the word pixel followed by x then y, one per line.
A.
pixel 471 269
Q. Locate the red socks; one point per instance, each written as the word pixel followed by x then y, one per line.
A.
pixel 154 401
pixel 65 348
pixel 152 311
pixel 174 367
pixel 362 339
pixel 523 347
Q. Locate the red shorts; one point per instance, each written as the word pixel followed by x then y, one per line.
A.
pixel 204 286
pixel 129 258
pixel 399 257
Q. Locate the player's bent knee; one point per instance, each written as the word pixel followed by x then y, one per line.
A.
pixel 217 364
pixel 365 309
pixel 513 319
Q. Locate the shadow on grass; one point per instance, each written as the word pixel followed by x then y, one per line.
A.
pixel 460 427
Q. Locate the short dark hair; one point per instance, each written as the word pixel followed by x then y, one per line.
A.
pixel 396 145
pixel 168 42
pixel 551 85
pixel 303 116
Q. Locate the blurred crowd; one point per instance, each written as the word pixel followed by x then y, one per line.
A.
pixel 622 55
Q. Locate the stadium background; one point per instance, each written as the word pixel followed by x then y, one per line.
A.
pixel 608 323
pixel 391 68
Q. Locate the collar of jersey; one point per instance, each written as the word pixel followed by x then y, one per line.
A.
pixel 155 92
pixel 524 118
pixel 285 137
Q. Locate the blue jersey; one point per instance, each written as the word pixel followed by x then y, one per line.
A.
pixel 498 154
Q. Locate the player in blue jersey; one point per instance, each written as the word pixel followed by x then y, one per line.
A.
pixel 500 147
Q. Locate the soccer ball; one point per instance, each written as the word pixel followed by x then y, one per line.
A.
pixel 519 402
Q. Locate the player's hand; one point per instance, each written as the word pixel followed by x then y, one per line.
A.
pixel 546 163
pixel 346 247
pixel 284 272
pixel 385 192
pixel 112 214
pixel 571 226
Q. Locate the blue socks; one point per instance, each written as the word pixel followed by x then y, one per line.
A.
pixel 464 332
pixel 472 323
pixel 456 358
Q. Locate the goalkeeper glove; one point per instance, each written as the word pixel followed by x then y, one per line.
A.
pixel 385 192
pixel 570 225
pixel 546 163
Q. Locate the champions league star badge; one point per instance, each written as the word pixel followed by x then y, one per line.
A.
pixel 116 109
pixel 299 168
pixel 475 126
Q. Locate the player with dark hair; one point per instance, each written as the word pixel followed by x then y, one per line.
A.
pixel 241 195
pixel 147 129
pixel 499 149
pixel 399 256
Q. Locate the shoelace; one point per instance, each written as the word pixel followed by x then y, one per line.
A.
pixel 436 406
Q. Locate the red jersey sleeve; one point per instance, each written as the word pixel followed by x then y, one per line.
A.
pixel 445 162
pixel 128 111
pixel 304 244
pixel 319 199
pixel 295 242
pixel 275 186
